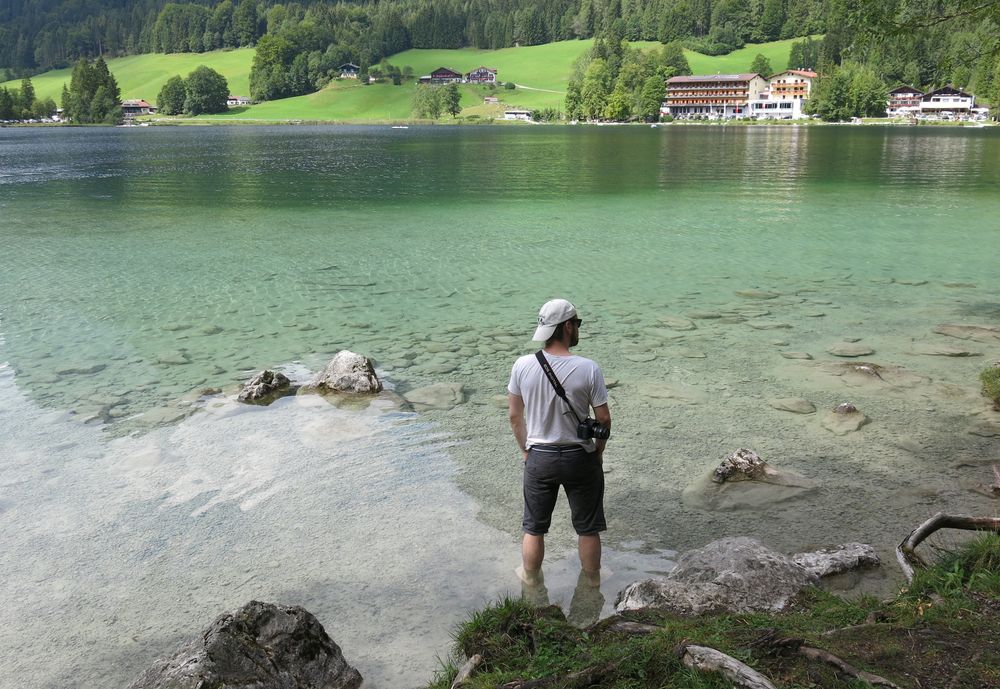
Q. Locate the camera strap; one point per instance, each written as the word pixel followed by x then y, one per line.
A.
pixel 556 385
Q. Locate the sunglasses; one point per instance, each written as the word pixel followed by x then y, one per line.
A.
pixel 577 321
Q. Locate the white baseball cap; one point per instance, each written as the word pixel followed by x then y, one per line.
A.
pixel 550 315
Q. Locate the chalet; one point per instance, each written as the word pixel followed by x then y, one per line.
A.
pixel 236 101
pixel 947 101
pixel 785 95
pixel 349 70
pixel 517 115
pixel 903 102
pixel 482 75
pixel 713 96
pixel 131 108
pixel 442 75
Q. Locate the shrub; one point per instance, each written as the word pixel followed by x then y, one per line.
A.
pixel 990 378
pixel 510 86
pixel 666 118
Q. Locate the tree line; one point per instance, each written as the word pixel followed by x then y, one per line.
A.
pixel 205 91
pixel 23 104
pixel 35 36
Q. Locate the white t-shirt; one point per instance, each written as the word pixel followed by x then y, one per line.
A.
pixel 546 416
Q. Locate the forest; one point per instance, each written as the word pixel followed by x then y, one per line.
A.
pixel 300 45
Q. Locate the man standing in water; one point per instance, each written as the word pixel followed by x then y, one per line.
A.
pixel 559 446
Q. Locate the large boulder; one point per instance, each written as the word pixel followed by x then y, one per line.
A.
pixel 259 646
pixel 348 372
pixel 263 386
pixel 737 574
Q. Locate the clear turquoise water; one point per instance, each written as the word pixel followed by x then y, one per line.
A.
pixel 143 266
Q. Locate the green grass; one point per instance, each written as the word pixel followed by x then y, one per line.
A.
pixel 142 76
pixel 943 630
pixel 739 60
pixel 542 71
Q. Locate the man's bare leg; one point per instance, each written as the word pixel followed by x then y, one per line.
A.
pixel 590 553
pixel 532 554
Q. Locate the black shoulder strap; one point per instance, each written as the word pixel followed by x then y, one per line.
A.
pixel 556 385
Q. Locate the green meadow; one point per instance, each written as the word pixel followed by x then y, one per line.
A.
pixel 142 76
pixel 541 73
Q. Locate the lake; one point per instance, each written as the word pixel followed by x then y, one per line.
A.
pixel 148 271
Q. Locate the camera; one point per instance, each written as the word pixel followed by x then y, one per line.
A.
pixel 589 428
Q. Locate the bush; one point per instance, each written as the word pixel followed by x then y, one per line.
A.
pixel 510 86
pixel 666 118
pixel 991 384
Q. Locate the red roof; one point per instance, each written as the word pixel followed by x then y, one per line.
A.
pixel 136 103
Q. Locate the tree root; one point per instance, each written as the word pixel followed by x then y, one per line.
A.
pixel 844 667
pixel 581 678
pixel 466 671
pixel 906 551
pixel 710 660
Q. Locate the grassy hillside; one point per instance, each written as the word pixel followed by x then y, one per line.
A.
pixel 142 76
pixel 540 71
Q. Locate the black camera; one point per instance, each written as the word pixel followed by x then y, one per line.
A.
pixel 589 428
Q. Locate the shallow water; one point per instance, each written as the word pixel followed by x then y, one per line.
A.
pixel 142 267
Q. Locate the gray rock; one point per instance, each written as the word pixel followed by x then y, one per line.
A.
pixel 438 396
pixel 741 465
pixel 258 646
pixel 836 560
pixel 734 574
pixel 849 349
pixel 348 372
pixel 797 355
pixel 796 405
pixel 262 386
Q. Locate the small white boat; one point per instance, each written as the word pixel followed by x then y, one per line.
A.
pixel 400 126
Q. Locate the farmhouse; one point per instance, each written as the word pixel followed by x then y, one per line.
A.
pixel 235 101
pixel 947 101
pixel 482 75
pixel 349 70
pixel 131 108
pixel 713 96
pixel 903 101
pixel 785 95
pixel 442 75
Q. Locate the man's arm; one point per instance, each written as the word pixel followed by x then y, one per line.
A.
pixel 515 410
pixel 602 415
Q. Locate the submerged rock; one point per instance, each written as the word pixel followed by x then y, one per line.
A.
pixel 849 349
pixel 438 396
pixel 259 645
pixel 846 418
pixel 745 481
pixel 942 350
pixel 348 372
pixel 868 374
pixel 796 405
pixel 677 322
pixel 797 355
pixel 262 386
pixel 978 333
pixel 757 294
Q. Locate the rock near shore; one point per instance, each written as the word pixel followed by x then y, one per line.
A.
pixel 258 646
pixel 348 372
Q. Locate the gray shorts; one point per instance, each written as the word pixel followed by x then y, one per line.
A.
pixel 580 475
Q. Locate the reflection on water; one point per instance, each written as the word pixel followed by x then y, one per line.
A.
pixel 715 267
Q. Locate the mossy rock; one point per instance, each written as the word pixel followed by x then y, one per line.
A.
pixel 990 378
